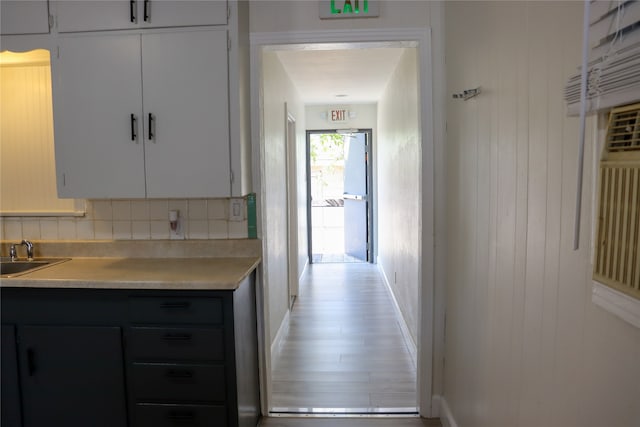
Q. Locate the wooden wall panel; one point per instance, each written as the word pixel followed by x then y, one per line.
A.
pixel 520 321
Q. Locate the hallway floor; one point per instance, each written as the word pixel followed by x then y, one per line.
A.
pixel 344 351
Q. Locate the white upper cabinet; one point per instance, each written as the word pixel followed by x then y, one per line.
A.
pixel 97 94
pixel 24 17
pixel 112 144
pixel 187 100
pixel 100 15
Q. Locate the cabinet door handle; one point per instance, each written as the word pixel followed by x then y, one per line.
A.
pixel 134 126
pixel 132 11
pixel 147 8
pixel 177 337
pixel 31 361
pixel 152 125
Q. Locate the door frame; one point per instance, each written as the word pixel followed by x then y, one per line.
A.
pixel 430 333
pixel 371 256
pixel 292 229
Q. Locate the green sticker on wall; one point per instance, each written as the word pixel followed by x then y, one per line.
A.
pixel 252 230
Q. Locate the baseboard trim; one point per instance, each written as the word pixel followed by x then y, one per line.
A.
pixel 411 345
pixel 435 406
pixel 304 269
pixel 446 416
pixel 276 345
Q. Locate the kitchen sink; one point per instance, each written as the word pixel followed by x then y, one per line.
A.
pixel 10 268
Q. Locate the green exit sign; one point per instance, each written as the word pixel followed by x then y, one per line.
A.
pixel 348 9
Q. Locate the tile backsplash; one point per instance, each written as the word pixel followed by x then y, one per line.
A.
pixel 132 220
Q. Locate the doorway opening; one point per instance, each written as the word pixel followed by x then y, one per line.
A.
pixel 339 196
pixel 288 68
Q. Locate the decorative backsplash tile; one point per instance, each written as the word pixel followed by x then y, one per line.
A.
pixel 131 220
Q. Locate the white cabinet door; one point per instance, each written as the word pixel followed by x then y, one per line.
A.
pixel 97 88
pixel 98 15
pixel 185 13
pixel 185 87
pixel 24 17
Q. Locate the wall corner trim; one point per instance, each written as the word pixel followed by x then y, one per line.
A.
pixel 446 416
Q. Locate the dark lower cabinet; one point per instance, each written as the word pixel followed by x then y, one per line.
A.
pixel 129 358
pixel 10 392
pixel 174 415
pixel 72 376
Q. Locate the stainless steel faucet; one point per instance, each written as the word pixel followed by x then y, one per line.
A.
pixel 13 253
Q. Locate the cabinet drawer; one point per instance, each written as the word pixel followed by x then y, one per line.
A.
pixel 176 310
pixel 150 343
pixel 178 382
pixel 153 415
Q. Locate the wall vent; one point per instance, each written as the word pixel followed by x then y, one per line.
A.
pixel 617 255
pixel 623 133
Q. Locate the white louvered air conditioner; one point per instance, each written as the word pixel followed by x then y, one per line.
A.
pixel 617 250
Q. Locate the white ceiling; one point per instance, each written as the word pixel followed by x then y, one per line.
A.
pixel 359 73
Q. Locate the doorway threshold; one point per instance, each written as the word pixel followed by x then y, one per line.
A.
pixel 344 412
pixel 334 258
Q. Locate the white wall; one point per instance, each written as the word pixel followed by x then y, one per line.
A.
pixel 277 89
pixel 525 346
pixel 399 177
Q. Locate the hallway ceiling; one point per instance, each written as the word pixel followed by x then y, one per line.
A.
pixel 321 76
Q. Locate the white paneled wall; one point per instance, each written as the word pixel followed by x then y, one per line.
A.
pixel 131 220
pixel 277 90
pixel 525 346
pixel 399 182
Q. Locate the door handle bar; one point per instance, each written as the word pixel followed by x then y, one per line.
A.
pixel 134 126
pixel 132 11
pixel 152 125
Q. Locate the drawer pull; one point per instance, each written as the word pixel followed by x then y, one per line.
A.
pixel 177 337
pixel 175 306
pixel 179 374
pixel 182 417
pixel 146 11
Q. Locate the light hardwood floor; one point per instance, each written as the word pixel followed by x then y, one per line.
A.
pixel 344 348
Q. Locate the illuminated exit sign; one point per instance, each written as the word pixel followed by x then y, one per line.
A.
pixel 338 115
pixel 348 9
